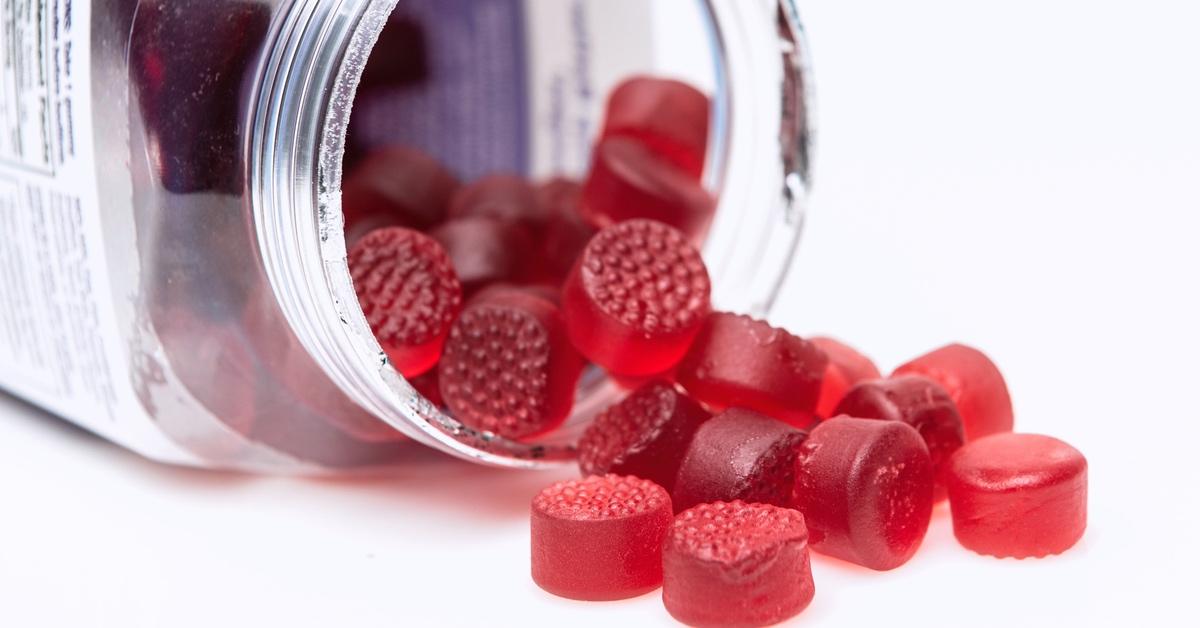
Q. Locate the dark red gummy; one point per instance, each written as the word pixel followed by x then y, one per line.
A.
pixel 486 250
pixel 508 367
pixel 636 298
pixel 627 180
pixel 409 293
pixel 566 232
pixel 847 367
pixel 738 361
pixel 917 401
pixel 974 383
pixel 739 454
pixel 866 490
pixel 427 385
pixel 599 538
pixel 396 186
pixel 736 564
pixel 669 117
pixel 646 434
pixel 503 197
pixel 1018 495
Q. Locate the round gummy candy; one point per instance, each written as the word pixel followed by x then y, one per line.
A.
pixel 599 538
pixel 738 361
pixel 669 117
pixel 1018 495
pixel 866 490
pixel 409 294
pixel 739 454
pixel 502 197
pixel 485 250
pixel 507 367
pixel 636 298
pixel 400 185
pixel 736 564
pixel 646 434
pixel 566 233
pixel 847 367
pixel 974 383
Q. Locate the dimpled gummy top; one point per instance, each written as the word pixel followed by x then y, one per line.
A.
pixel 601 497
pixel 731 532
pixel 406 285
pixel 646 275
pixel 626 426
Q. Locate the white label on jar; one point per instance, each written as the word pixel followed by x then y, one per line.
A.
pixel 60 346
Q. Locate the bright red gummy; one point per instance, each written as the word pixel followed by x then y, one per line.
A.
pixel 736 564
pixel 486 250
pixel 508 367
pixel 409 293
pixel 847 367
pixel 646 434
pixel 599 538
pixel 866 489
pixel 503 197
pixel 396 186
pixel 739 454
pixel 917 401
pixel 1018 495
pixel 670 117
pixel 974 383
pixel 627 180
pixel 738 361
pixel 566 233
pixel 636 298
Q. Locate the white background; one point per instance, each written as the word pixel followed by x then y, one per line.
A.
pixel 1023 176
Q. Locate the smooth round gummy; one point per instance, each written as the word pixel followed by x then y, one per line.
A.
pixel 503 197
pixel 917 401
pixel 847 367
pixel 508 367
pixel 738 361
pixel 409 294
pixel 1018 495
pixel 646 435
pixel 636 298
pixel 866 489
pixel 974 383
pixel 736 564
pixel 486 250
pixel 669 117
pixel 397 186
pixel 739 454
pixel 599 538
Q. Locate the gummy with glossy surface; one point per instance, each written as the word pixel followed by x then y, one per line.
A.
pixel 1018 495
pixel 866 490
pixel 738 361
pixel 739 454
pixel 646 435
pixel 847 367
pixel 397 186
pixel 736 564
pixel 508 367
pixel 636 298
pixel 974 383
pixel 486 250
pixel 599 538
pixel 503 197
pixel 409 294
pixel 670 117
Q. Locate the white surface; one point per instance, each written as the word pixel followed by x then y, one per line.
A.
pixel 1024 176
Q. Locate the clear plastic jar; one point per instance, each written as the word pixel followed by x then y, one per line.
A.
pixel 176 245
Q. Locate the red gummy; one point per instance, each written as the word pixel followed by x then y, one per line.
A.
pixel 409 293
pixel 670 117
pixel 738 361
pixel 627 181
pixel 636 298
pixel 974 383
pixel 1018 495
pixel 485 250
pixel 866 490
pixel 502 197
pixel 736 564
pixel 847 367
pixel 396 186
pixel 917 401
pixel 599 538
pixel 427 385
pixel 739 454
pixel 566 232
pixel 646 435
pixel 508 367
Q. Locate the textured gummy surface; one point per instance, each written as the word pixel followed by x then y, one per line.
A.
pixel 502 197
pixel 736 564
pixel 847 367
pixel 508 368
pixel 409 293
pixel 974 383
pixel 738 361
pixel 397 184
pixel 486 250
pixel 866 490
pixel 599 538
pixel 670 117
pixel 1018 495
pixel 739 454
pixel 636 298
pixel 646 434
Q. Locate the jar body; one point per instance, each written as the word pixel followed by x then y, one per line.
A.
pixel 154 294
